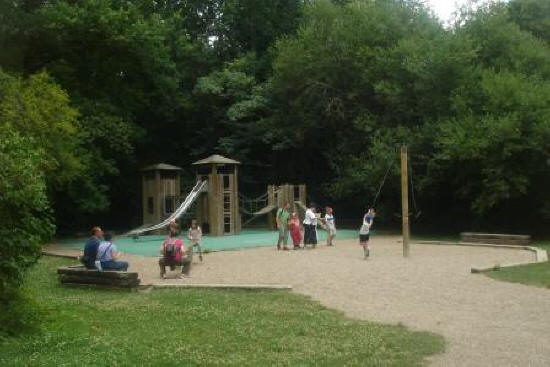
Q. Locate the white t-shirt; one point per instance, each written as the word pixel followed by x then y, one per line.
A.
pixel 329 218
pixel 310 218
pixel 365 228
pixel 105 251
pixel 195 235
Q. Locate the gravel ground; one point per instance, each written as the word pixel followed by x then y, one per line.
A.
pixel 485 322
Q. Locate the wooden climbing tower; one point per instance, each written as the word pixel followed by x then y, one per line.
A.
pixel 160 192
pixel 217 207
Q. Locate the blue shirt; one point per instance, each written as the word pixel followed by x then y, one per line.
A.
pixel 90 251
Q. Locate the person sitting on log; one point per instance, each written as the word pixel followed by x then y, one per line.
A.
pixel 107 256
pixel 174 254
pixel 90 248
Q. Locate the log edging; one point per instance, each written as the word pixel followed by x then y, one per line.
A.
pixel 271 287
pixel 540 254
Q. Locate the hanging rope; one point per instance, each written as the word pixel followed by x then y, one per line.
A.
pixel 392 162
pixel 417 212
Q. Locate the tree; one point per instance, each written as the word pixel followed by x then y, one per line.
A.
pixel 353 74
pixel 37 108
pixel 532 16
pixel 25 221
pixel 496 144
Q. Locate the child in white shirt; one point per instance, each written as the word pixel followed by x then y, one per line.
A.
pixel 331 226
pixel 364 231
pixel 195 237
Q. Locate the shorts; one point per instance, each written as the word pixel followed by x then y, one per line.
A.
pixel 364 237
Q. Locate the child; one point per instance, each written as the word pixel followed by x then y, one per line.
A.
pixel 364 232
pixel 294 227
pixel 173 254
pixel 195 237
pixel 331 227
pixel 310 226
pixel 107 256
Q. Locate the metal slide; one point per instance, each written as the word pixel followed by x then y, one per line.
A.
pixel 175 215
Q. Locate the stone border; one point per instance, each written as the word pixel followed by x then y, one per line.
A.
pixel 540 254
pixel 261 287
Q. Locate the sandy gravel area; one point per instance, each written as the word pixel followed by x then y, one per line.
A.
pixel 485 322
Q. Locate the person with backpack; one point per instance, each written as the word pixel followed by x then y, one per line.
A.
pixel 107 256
pixel 90 248
pixel 174 254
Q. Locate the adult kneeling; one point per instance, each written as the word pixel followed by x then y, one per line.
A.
pixel 107 255
pixel 173 254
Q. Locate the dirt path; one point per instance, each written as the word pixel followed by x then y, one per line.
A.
pixel 485 322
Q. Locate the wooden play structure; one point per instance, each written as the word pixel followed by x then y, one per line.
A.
pixel 216 195
pixel 217 209
pixel 295 195
pixel 160 192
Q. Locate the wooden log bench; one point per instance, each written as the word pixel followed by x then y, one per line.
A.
pixel 79 276
pixel 499 239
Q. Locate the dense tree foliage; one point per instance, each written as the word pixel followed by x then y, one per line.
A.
pixel 322 92
pixel 34 152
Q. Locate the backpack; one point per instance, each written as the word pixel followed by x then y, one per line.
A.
pixel 171 249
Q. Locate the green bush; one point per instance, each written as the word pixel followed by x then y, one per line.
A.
pixel 25 221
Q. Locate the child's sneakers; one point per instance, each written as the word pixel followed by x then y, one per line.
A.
pixel 367 253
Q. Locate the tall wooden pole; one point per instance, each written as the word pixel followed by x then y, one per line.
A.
pixel 405 200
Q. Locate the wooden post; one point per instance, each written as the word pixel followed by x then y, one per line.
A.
pixel 157 199
pixel 271 201
pixel 236 206
pixel 405 200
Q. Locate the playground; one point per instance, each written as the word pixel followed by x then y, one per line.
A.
pixel 421 286
pixel 249 238
pixel 275 183
pixel 484 321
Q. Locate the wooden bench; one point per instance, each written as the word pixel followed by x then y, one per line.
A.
pixel 79 275
pixel 499 239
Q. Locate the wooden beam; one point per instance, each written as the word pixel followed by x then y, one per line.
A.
pixel 405 201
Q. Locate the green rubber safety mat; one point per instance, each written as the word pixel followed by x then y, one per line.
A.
pixel 150 245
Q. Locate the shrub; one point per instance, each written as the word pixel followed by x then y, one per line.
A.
pixel 25 221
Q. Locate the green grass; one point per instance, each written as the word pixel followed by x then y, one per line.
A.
pixel 84 327
pixel 531 274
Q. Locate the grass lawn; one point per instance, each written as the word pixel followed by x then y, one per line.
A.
pixel 83 327
pixel 531 274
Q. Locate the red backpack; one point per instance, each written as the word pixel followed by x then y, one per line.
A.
pixel 173 249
